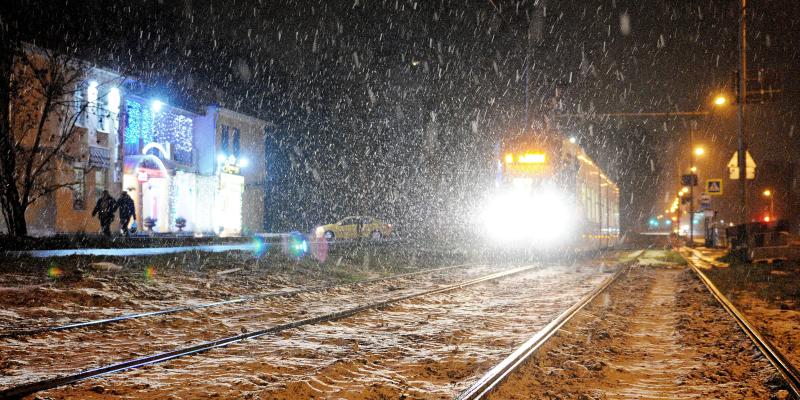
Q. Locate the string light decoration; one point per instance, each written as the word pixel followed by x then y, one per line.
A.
pixel 164 126
pixel 183 199
pixel 206 188
pixel 177 130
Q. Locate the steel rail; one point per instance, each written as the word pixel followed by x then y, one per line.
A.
pixel 495 376
pixel 33 387
pixel 775 357
pixel 172 310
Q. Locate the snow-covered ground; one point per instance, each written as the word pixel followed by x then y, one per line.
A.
pixel 658 334
pixel 32 357
pixel 433 345
pixel 768 295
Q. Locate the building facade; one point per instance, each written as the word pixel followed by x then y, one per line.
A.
pixel 186 171
pixel 189 172
pixel 95 167
pixel 240 166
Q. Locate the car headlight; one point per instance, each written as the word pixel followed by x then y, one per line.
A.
pixel 320 231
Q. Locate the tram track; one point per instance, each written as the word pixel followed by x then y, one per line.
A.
pixel 632 376
pixel 34 357
pixel 498 373
pixel 495 376
pixel 400 343
pixel 18 333
pixel 788 371
pixel 69 378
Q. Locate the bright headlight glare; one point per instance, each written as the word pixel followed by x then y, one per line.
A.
pixel 539 218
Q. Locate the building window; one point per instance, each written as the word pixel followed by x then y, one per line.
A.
pixel 79 189
pixel 92 105
pixel 102 118
pixel 99 182
pixel 223 141
pixel 79 105
pixel 236 142
pixel 112 105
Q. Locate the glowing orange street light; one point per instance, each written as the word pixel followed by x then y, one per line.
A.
pixel 720 100
pixel 768 193
pixel 699 151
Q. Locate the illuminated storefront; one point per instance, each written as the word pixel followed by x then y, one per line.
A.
pixel 159 167
pixel 176 174
pixel 228 211
pixel 194 172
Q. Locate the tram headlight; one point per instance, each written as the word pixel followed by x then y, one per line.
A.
pixel 539 218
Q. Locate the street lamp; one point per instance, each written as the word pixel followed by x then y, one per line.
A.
pixel 695 151
pixel 720 100
pixel 768 193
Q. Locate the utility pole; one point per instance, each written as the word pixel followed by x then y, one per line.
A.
pixel 741 99
pixel 680 208
pixel 691 183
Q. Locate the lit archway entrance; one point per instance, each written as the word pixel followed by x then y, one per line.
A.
pixel 147 179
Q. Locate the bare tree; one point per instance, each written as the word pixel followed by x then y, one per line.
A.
pixel 38 132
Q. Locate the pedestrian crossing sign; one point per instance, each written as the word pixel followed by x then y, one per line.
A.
pixel 714 187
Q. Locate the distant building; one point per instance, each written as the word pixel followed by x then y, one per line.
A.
pixel 189 172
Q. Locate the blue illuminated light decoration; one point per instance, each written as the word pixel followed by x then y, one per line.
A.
pixel 147 124
pixel 140 124
pixel 175 129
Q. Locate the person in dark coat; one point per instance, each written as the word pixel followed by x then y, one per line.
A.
pixel 127 210
pixel 104 209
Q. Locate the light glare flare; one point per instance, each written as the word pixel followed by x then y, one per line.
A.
pixel 537 219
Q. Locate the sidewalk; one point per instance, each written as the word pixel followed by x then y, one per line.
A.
pixel 99 245
pixel 134 251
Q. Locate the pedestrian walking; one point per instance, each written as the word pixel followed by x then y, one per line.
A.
pixel 127 210
pixel 104 209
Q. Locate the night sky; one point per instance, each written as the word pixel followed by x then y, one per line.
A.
pixel 394 107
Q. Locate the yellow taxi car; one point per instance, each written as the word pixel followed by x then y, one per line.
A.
pixel 355 228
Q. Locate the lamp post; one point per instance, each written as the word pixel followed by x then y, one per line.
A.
pixel 680 207
pixel 691 183
pixel 742 97
pixel 768 193
pixel 694 151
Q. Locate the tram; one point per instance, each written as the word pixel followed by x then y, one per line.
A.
pixel 549 194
